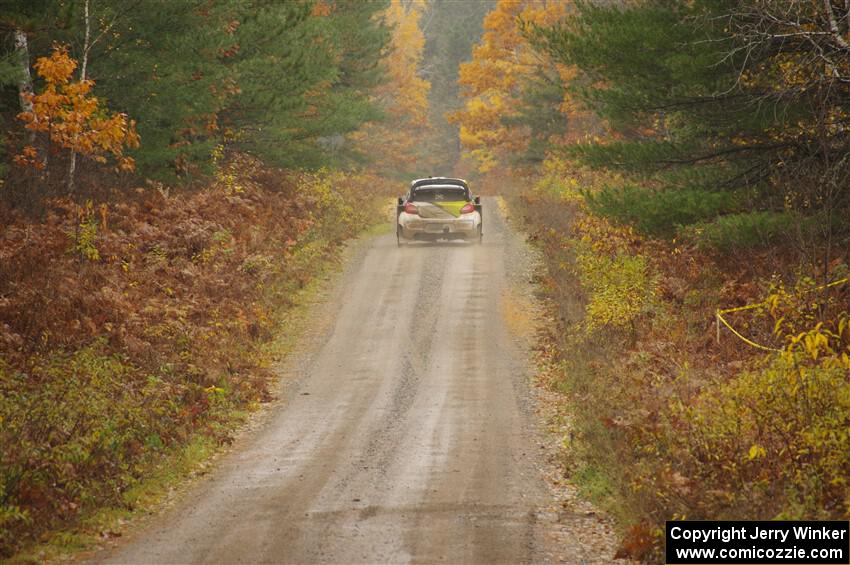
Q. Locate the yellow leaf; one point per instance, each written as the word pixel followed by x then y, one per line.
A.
pixel 756 451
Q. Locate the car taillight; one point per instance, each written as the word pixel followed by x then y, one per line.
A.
pixel 467 208
pixel 411 209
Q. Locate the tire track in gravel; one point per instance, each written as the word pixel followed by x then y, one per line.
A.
pixel 406 432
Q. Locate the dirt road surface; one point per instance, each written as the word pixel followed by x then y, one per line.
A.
pixel 405 431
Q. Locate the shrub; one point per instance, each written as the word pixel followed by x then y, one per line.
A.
pixel 771 442
pixel 657 212
pixel 744 231
pixel 620 287
pixel 71 425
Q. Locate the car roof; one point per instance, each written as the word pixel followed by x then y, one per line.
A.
pixel 445 181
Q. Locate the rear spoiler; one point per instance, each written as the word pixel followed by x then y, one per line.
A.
pixel 438 180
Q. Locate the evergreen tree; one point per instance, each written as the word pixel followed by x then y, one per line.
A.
pixel 281 80
pixel 304 81
pixel 451 29
pixel 159 62
pixel 711 96
pixel 539 111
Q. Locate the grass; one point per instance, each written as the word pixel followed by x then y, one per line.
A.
pixel 172 472
pixel 594 485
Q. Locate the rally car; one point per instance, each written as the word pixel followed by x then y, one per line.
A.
pixel 438 208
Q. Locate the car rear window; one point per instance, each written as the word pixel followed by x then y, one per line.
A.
pixel 439 194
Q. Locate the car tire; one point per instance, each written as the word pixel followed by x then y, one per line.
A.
pixel 479 239
pixel 399 238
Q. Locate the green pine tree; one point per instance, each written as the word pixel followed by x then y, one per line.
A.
pixel 265 77
pixel 711 117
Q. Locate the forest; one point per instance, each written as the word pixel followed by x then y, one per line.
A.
pixel 175 176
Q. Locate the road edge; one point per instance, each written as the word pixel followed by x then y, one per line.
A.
pixel 524 308
pixel 186 467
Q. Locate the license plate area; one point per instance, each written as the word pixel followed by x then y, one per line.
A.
pixel 437 227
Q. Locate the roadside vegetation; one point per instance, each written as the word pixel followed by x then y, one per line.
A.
pixel 672 160
pixel 129 330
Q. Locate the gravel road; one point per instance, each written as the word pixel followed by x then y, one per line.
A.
pixel 404 433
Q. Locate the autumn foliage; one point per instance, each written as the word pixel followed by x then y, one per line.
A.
pixel 493 81
pixel 669 159
pixel 72 118
pixel 396 144
pixel 128 329
pixel 665 421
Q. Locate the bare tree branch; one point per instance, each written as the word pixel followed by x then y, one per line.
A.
pixel 833 25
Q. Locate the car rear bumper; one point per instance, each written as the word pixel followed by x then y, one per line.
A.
pixel 414 227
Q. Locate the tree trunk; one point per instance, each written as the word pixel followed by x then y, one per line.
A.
pixel 72 164
pixel 25 82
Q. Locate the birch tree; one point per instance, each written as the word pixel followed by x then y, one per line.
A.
pixel 72 164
